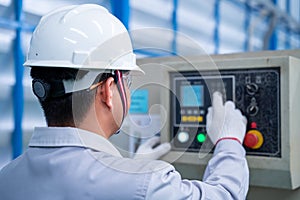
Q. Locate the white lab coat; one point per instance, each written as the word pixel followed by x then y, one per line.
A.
pixel 68 163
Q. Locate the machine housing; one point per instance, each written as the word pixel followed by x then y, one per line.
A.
pixel 265 86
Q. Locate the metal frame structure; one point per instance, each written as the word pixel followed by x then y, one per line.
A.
pixel 18 93
pixel 18 87
pixel 278 19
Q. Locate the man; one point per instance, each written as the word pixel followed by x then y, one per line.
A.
pixel 81 60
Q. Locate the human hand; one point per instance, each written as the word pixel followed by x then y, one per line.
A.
pixel 146 150
pixel 225 121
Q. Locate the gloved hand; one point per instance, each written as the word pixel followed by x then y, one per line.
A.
pixel 225 121
pixel 146 150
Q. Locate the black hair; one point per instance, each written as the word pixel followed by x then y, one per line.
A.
pixel 63 110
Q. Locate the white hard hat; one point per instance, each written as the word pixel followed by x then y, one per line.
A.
pixel 83 37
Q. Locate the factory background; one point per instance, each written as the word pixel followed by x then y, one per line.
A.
pixel 217 26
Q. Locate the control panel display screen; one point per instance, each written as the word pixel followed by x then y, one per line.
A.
pixel 192 95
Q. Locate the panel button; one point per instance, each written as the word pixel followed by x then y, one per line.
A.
pixel 192 118
pixel 253 139
pixel 201 137
pixel 183 137
pixel 184 118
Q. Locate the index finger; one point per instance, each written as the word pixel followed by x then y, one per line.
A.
pixel 217 101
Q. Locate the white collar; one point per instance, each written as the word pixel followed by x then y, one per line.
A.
pixel 68 136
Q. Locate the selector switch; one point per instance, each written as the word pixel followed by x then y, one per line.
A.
pixel 253 139
pixel 252 109
pixel 251 88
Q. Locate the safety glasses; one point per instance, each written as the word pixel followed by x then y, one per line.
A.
pixel 126 76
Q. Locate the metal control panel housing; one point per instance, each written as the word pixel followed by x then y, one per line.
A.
pixel 264 86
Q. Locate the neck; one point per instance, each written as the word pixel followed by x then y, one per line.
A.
pixel 98 122
pixel 94 127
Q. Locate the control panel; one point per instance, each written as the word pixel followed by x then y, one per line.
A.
pixel 256 92
pixel 264 86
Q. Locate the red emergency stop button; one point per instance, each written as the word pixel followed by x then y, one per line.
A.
pixel 253 139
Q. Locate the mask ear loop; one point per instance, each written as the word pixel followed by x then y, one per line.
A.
pixel 120 85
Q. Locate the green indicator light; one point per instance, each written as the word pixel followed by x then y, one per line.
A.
pixel 201 137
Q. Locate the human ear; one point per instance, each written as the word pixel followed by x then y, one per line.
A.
pixel 106 92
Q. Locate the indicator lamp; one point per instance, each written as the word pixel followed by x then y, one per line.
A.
pixel 201 137
pixel 183 137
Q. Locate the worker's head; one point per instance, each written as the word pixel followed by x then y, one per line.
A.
pixel 81 57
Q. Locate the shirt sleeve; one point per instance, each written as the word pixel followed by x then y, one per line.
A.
pixel 226 177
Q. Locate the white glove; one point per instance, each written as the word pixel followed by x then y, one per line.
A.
pixel 146 150
pixel 225 121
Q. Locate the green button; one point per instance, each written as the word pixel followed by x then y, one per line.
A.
pixel 201 137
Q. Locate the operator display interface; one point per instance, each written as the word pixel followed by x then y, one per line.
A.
pixel 256 92
pixel 188 92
